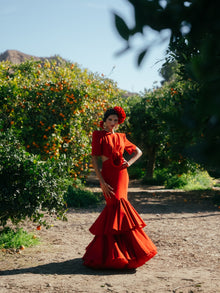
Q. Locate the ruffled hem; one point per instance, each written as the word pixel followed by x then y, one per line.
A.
pixel 116 218
pixel 119 251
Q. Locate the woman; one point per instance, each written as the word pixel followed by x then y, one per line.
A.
pixel 119 242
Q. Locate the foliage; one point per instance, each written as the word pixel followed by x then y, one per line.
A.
pixel 10 238
pixel 48 111
pixel 136 171
pixel 55 106
pixel 155 127
pixel 190 181
pixel 28 185
pixel 188 177
pixel 78 197
pixel 170 70
pixel 194 44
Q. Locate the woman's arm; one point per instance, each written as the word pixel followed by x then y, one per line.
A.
pixel 137 154
pixel 106 188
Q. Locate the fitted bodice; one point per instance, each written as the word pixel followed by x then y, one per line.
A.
pixel 111 145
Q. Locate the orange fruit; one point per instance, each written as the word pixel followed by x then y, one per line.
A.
pixel 39 227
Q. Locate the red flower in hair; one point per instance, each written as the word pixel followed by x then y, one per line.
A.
pixel 121 114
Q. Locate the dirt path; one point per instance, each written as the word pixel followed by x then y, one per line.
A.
pixel 184 226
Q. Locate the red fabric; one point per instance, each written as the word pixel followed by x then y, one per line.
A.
pixel 106 143
pixel 119 240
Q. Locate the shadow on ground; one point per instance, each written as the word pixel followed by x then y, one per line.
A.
pixel 158 200
pixel 173 201
pixel 69 267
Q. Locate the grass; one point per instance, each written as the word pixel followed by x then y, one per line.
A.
pixel 217 183
pixel 199 180
pixel 10 238
pixel 192 180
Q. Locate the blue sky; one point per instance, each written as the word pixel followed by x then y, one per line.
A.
pixel 81 31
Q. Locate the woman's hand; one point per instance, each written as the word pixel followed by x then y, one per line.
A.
pixel 137 154
pixel 107 189
pixel 125 164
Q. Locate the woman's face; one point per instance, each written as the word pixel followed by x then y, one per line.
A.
pixel 111 122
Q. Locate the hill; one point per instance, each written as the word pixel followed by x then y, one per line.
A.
pixel 17 57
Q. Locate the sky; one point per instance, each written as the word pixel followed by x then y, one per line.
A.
pixel 83 31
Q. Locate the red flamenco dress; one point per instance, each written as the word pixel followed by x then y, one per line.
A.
pixel 119 241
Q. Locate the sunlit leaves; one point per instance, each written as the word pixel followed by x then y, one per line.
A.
pixel 55 106
pixel 48 112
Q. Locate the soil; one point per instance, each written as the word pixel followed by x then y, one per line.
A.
pixel 183 225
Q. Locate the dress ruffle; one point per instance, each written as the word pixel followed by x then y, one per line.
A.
pixel 119 242
pixel 117 217
pixel 119 251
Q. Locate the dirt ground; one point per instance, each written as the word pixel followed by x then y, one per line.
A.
pixel 184 227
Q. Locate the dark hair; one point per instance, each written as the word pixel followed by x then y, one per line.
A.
pixel 109 112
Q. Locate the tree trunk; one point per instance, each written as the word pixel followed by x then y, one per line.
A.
pixel 151 151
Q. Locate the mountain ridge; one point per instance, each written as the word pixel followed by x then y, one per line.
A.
pixel 17 57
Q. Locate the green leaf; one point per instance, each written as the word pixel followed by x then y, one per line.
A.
pixel 122 27
pixel 141 57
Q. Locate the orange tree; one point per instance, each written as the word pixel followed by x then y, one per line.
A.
pixel 28 187
pixel 154 123
pixel 53 107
